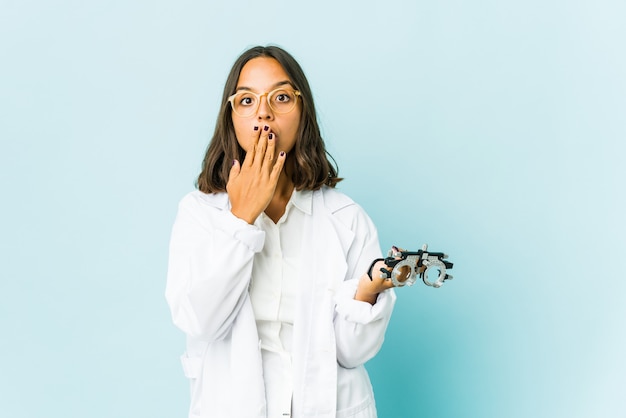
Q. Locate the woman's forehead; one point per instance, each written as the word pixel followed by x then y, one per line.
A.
pixel 262 73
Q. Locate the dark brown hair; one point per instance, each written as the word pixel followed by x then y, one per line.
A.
pixel 312 166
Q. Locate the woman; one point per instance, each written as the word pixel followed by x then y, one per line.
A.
pixel 268 262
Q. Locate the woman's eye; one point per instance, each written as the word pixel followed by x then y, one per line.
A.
pixel 246 101
pixel 283 97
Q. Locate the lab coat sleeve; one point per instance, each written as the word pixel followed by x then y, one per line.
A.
pixel 210 264
pixel 360 327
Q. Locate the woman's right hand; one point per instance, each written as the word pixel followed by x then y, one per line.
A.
pixel 251 185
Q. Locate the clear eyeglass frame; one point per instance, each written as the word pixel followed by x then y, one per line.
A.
pixel 268 95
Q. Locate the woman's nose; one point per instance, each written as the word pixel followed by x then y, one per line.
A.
pixel 265 111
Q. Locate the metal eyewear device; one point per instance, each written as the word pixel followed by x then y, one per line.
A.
pixel 407 265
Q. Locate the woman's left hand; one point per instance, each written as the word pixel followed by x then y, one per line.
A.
pixel 368 290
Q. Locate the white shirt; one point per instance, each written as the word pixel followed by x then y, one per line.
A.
pixel 273 288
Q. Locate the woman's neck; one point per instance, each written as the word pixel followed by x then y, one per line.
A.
pixel 284 189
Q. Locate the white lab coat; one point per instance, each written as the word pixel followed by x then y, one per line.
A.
pixel 211 256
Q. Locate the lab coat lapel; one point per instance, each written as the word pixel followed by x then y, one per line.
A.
pixel 324 249
pixel 245 366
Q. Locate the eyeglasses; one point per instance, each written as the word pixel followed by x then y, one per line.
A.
pixel 281 100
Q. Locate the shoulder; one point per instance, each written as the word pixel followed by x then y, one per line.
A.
pixel 199 200
pixel 341 207
pixel 334 200
pixel 207 210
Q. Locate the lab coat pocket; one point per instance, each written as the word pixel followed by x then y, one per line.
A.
pixel 355 397
pixel 192 367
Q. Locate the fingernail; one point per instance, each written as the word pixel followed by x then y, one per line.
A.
pixel 256 128
pixel 270 136
pixel 265 128
pixel 282 153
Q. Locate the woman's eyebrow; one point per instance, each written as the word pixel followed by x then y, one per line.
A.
pixel 276 85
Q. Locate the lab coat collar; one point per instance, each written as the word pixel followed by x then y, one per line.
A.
pixel 303 200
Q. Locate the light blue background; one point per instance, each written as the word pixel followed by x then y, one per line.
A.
pixel 492 130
